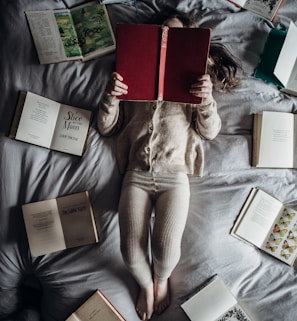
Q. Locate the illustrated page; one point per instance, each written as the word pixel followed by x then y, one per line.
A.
pixel 264 8
pixel 38 120
pixel 282 239
pixel 259 218
pixel 43 227
pixel 71 130
pixel 92 27
pixel 236 313
pixel 77 220
pixel 277 134
pixel 46 36
pixel 68 34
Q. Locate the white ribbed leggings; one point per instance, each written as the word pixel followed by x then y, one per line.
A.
pixel 167 195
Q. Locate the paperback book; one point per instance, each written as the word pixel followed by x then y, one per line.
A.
pixel 96 308
pixel 213 301
pixel 61 223
pixel 44 122
pixel 264 222
pixel 81 33
pixel 278 64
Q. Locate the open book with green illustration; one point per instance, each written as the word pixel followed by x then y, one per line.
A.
pixel 81 33
pixel 212 301
pixel 61 223
pixel 267 224
pixel 278 64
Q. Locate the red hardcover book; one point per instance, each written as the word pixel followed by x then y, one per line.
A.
pixel 161 63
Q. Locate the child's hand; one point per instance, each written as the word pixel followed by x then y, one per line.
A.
pixel 202 88
pixel 116 87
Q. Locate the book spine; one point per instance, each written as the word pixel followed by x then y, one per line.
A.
pixel 163 50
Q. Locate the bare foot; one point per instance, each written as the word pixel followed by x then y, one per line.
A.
pixel 162 295
pixel 145 303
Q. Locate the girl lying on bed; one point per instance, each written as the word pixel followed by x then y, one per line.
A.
pixel 157 148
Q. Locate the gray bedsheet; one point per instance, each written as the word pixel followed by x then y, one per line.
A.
pixel 265 287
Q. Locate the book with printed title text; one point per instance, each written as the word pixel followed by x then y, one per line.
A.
pixel 44 122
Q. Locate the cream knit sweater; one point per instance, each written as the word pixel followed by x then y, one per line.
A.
pixel 159 136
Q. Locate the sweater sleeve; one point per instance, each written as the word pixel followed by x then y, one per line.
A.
pixel 108 118
pixel 207 119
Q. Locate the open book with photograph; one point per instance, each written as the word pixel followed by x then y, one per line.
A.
pixel 278 64
pixel 274 140
pixel 61 223
pixel 96 308
pixel 265 8
pixel 44 122
pixel 212 301
pixel 81 33
pixel 267 224
pixel 159 52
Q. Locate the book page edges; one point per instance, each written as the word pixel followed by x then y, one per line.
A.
pixel 17 114
pixel 257 118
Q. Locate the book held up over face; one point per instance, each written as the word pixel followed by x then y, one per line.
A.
pixel 81 33
pixel 267 9
pixel 161 63
pixel 213 301
pixel 278 64
pixel 47 123
pixel 274 140
pixel 61 223
pixel 96 308
pixel 267 224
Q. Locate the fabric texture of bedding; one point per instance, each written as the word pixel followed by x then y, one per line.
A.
pixel 265 287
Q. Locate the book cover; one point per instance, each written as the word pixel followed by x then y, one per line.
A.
pixel 176 55
pixel 58 224
pixel 44 122
pixel 81 33
pixel 278 64
pixel 96 308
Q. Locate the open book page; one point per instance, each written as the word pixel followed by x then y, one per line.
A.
pixel 97 307
pixel 71 130
pixel 266 9
pixel 277 140
pixel 77 220
pixel 210 303
pixel 258 218
pixel 286 66
pixel 43 226
pixel 46 36
pixel 93 29
pixel 38 120
pixel 68 35
pixel 281 241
